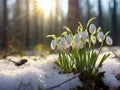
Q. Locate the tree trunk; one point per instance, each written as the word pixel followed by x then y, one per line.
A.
pixel 73 14
pixel 88 10
pixel 27 23
pixel 5 27
pixel 100 13
pixel 114 23
pixel 35 12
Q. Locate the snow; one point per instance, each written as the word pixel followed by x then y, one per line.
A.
pixel 37 71
pixel 44 73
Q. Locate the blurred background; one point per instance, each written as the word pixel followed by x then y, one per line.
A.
pixel 24 24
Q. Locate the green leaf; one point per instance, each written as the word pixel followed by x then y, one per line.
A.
pixel 94 58
pixel 92 61
pixel 103 59
pixel 39 88
pixel 89 22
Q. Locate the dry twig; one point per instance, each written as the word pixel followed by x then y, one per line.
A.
pixel 63 82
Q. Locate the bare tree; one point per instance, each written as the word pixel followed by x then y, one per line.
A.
pixel 113 10
pixel 100 13
pixel 35 11
pixel 27 23
pixel 73 14
pixel 88 10
pixel 5 27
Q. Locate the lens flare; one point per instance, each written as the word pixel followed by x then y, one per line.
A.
pixel 47 6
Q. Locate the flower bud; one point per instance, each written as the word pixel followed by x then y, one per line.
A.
pixel 53 44
pixel 109 40
pixel 92 29
pixel 100 36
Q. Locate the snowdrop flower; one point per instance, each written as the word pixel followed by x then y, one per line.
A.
pixel 100 36
pixel 53 44
pixel 93 39
pixel 60 47
pixel 76 38
pixel 79 45
pixel 109 40
pixel 62 43
pixel 69 39
pixel 92 29
pixel 84 36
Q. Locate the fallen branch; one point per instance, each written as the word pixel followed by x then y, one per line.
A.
pixel 63 82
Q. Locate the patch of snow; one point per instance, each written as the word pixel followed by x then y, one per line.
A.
pixel 36 72
pixel 44 73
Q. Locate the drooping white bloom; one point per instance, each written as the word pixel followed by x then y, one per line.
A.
pixel 93 39
pixel 60 47
pixel 79 45
pixel 69 39
pixel 100 36
pixel 109 40
pixel 84 36
pixel 76 38
pixel 92 29
pixel 62 43
pixel 53 44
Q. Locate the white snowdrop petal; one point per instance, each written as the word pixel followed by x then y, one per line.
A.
pixel 100 36
pixel 92 29
pixel 62 43
pixel 53 44
pixel 109 40
pixel 76 38
pixel 79 45
pixel 62 40
pixel 84 36
pixel 68 39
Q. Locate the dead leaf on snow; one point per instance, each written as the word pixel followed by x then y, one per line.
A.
pixel 118 76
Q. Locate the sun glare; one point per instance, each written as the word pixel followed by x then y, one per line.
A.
pixel 46 6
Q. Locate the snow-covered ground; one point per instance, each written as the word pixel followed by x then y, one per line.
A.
pixel 41 71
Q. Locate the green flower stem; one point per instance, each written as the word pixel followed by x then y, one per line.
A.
pixel 100 48
pixel 85 61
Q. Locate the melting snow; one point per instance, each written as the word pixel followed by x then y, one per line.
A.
pixel 44 73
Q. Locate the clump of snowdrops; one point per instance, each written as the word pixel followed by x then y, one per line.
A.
pixel 77 51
